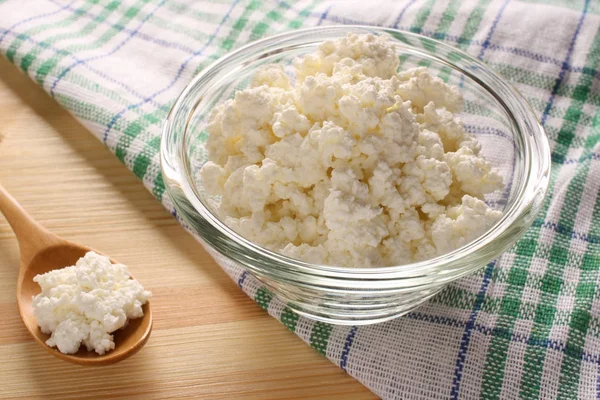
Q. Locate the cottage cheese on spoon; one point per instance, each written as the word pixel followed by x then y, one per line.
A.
pixel 353 164
pixel 85 303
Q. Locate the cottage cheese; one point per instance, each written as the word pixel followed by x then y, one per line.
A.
pixel 353 164
pixel 85 303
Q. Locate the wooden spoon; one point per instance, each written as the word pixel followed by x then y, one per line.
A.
pixel 42 251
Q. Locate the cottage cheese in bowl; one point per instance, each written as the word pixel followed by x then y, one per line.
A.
pixel 349 162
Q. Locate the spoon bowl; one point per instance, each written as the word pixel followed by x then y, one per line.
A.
pixel 42 251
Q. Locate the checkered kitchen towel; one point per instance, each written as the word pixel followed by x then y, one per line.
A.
pixel 527 326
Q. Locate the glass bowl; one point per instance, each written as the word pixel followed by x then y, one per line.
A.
pixel 511 137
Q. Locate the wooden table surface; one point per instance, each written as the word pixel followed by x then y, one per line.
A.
pixel 209 340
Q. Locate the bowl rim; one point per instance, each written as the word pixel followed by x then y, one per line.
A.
pixel 538 183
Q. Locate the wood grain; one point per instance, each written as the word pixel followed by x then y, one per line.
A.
pixel 209 340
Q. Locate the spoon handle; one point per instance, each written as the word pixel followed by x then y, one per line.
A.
pixel 29 233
